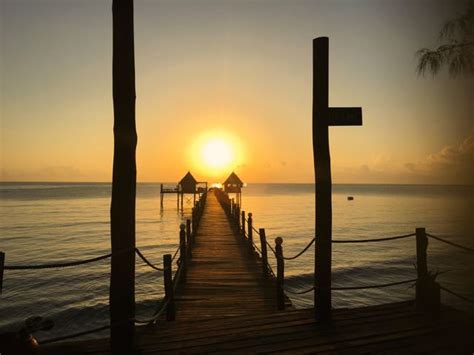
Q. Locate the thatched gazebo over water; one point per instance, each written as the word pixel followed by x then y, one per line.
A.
pixel 233 184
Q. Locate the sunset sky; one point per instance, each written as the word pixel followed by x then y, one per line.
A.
pixel 232 77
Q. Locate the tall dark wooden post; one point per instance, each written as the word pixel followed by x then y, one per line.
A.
pixel 169 292
pixel 122 211
pixel 323 117
pixel 2 266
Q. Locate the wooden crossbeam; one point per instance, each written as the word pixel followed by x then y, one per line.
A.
pixel 345 116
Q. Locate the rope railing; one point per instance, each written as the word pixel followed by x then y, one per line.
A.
pixel 299 292
pixel 450 243
pixel 56 265
pixel 464 298
pixel 146 261
pixel 301 252
pixel 375 239
pixel 175 253
pixel 372 286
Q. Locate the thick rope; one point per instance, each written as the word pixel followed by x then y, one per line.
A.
pixel 157 314
pixel 301 252
pixel 450 243
pixel 175 253
pixel 372 286
pixel 139 253
pixel 464 298
pixel 374 240
pixel 56 265
pixel 300 292
pixel 271 248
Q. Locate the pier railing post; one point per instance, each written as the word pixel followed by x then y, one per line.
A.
pixel 243 224
pixel 168 281
pixel 193 221
pixel 188 237
pixel 427 289
pixel 250 232
pixel 263 246
pixel 182 247
pixel 232 206
pixel 280 277
pixel 2 266
pixel 237 215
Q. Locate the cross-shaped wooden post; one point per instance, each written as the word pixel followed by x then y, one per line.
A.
pixel 323 117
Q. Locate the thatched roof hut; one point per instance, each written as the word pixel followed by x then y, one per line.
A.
pixel 233 184
pixel 188 184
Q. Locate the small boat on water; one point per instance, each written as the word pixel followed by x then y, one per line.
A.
pixel 350 198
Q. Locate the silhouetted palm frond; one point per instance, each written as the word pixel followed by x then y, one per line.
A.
pixel 429 60
pixel 457 54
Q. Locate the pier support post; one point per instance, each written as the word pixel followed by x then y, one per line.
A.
pixel 168 281
pixel 243 224
pixel 2 266
pixel 263 245
pixel 182 247
pixel 428 293
pixel 280 277
pixel 189 237
pixel 161 195
pixel 250 233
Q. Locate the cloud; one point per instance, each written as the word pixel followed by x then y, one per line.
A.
pixel 452 164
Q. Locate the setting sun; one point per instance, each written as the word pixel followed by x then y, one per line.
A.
pixel 213 154
pixel 217 153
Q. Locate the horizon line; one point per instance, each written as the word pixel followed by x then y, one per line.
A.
pixel 253 183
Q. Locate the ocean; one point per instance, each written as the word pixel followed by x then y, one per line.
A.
pixel 59 222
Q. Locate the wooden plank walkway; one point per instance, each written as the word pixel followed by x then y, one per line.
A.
pixel 223 279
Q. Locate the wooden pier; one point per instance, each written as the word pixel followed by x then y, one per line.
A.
pixel 225 303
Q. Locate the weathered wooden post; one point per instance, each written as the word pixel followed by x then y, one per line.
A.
pixel 323 117
pixel 428 293
pixel 232 207
pixel 243 224
pixel 161 195
pixel 182 247
pixel 280 277
pixel 2 267
pixel 124 179
pixel 237 215
pixel 250 232
pixel 193 221
pixel 168 281
pixel 189 237
pixel 263 246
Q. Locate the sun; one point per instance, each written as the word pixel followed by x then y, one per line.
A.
pixel 217 153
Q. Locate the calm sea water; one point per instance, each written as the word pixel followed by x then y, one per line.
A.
pixel 57 222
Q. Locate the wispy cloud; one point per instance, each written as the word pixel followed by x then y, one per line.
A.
pixel 453 163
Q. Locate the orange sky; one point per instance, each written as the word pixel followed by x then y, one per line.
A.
pixel 239 71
